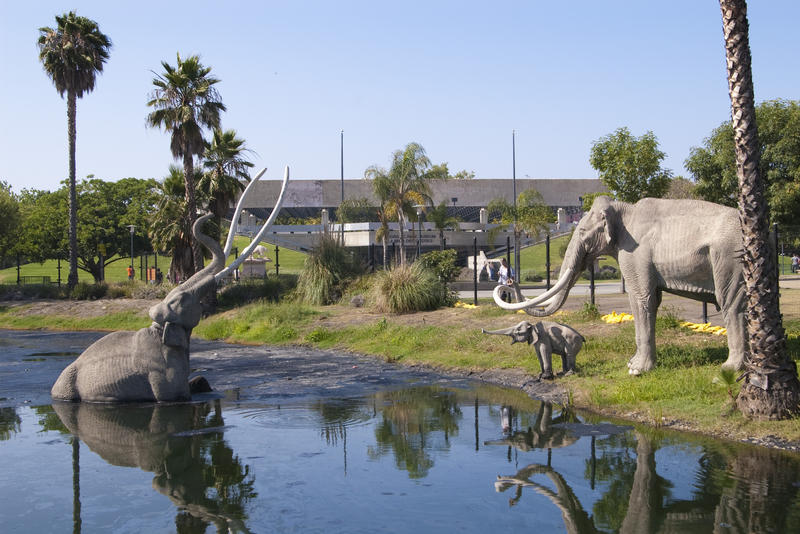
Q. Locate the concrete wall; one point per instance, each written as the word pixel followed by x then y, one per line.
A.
pixel 475 192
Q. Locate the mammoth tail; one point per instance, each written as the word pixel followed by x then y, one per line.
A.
pixel 64 388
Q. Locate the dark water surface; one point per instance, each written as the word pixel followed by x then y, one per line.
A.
pixel 414 458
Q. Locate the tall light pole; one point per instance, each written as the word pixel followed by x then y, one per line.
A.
pixel 341 176
pixel 514 184
pixel 341 160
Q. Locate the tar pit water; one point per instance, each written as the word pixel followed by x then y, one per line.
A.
pixel 419 459
pixel 404 457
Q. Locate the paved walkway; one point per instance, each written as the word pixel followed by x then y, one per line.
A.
pixel 609 297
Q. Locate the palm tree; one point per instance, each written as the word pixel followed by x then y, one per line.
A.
pixel 169 230
pixel 226 172
pixel 383 232
pixel 185 101
pixel 771 389
pixel 72 54
pixel 405 185
pixel 530 215
pixel 442 220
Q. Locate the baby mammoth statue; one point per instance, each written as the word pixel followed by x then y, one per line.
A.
pixel 547 338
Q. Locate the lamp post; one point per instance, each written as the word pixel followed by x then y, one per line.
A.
pixel 514 185
pixel 132 227
pixel 341 176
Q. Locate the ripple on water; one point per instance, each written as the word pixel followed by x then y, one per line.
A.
pixel 345 413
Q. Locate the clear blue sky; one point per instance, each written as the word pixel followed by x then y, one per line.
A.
pixel 455 76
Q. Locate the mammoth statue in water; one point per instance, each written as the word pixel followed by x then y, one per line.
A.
pixel 689 248
pixel 152 364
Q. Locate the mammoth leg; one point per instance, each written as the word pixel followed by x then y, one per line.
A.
pixel 733 302
pixel 644 310
pixel 64 388
pixel 545 356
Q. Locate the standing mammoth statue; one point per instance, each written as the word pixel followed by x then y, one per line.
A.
pixel 547 338
pixel 689 248
pixel 152 364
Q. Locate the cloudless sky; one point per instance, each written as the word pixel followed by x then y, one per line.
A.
pixel 455 76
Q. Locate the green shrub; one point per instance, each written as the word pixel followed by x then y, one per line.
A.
pixel 531 276
pixel 606 272
pixel 119 291
pixel 318 335
pixel 84 291
pixel 33 291
pixel 407 289
pixel 270 289
pixel 141 290
pixel 328 269
pixel 442 263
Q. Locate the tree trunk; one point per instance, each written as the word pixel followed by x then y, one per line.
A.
pixel 771 389
pixel 191 209
pixel 402 221
pixel 72 279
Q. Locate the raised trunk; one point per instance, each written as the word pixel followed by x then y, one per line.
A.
pixel 771 389
pixel 502 332
pixel 72 279
pixel 191 208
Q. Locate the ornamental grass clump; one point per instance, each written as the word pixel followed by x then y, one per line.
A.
pixel 328 269
pixel 408 289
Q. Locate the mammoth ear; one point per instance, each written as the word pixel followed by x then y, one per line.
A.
pixel 533 333
pixel 174 336
pixel 610 223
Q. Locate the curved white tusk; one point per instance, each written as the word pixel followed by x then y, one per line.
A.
pixel 254 243
pixel 235 219
pixel 563 280
pixel 551 294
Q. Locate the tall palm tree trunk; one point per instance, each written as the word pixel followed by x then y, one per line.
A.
pixel 72 279
pixel 771 389
pixel 191 208
pixel 402 222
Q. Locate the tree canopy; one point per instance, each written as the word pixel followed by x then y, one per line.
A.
pixel 630 166
pixel 9 220
pixel 713 165
pixel 531 214
pixel 106 209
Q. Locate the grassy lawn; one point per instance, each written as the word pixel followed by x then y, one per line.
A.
pixel 290 262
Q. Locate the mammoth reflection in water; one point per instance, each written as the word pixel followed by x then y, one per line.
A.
pixel 182 446
pixel 542 435
pixel 736 490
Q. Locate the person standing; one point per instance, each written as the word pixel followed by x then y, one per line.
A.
pixel 503 274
